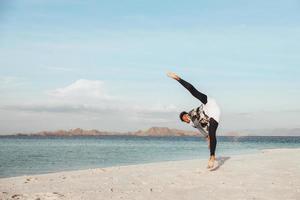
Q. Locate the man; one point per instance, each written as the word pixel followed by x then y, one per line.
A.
pixel 205 118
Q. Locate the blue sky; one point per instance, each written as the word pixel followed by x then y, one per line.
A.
pixel 101 64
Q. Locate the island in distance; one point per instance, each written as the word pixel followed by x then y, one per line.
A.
pixel 164 132
pixel 153 131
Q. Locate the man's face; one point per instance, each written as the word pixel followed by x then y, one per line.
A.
pixel 186 118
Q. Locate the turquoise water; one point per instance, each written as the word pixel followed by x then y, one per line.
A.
pixel 21 155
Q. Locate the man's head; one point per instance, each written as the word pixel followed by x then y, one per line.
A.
pixel 184 117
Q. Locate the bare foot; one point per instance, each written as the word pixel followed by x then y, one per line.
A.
pixel 211 162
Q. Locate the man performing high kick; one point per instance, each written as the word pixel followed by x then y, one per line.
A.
pixel 205 117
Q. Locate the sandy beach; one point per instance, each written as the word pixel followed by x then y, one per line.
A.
pixel 269 174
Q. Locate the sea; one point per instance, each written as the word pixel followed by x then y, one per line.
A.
pixel 27 155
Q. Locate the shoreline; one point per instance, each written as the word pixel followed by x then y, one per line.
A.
pixel 268 174
pixel 145 163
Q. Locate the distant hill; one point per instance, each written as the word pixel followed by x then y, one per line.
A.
pixel 153 131
pixel 165 132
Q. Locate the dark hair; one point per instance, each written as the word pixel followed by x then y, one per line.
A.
pixel 181 115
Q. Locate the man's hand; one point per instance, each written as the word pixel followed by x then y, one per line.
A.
pixel 173 75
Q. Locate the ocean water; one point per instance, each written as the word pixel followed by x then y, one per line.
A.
pixel 20 155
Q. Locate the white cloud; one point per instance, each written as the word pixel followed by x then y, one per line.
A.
pixel 90 96
pixel 89 102
pixel 82 91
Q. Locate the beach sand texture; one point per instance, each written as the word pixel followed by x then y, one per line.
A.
pixel 269 174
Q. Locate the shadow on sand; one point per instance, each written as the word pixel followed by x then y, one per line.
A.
pixel 221 160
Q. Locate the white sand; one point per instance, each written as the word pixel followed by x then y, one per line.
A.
pixel 270 174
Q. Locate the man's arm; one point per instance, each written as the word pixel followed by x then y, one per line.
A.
pixel 202 97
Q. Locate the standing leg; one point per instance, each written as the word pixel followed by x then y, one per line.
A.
pixel 213 125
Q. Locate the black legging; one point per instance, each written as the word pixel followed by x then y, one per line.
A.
pixel 202 97
pixel 213 124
